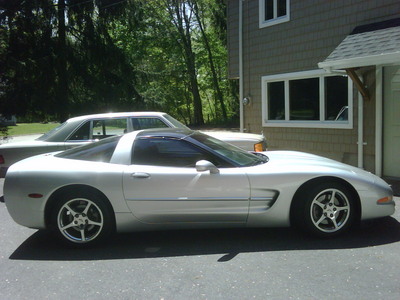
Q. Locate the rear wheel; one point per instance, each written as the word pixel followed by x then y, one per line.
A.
pixel 327 209
pixel 82 219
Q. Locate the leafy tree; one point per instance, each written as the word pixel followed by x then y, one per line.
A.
pixel 69 57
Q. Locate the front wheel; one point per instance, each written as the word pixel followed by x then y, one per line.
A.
pixel 325 210
pixel 82 219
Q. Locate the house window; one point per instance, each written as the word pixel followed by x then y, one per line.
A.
pixel 273 12
pixel 307 99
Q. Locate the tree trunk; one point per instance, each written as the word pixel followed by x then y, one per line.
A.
pixel 217 89
pixel 190 60
pixel 62 88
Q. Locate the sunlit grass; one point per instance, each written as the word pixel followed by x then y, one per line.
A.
pixel 30 128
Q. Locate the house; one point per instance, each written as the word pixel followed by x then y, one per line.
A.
pixel 321 77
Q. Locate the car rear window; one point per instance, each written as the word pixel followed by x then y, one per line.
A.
pixel 51 132
pixel 101 151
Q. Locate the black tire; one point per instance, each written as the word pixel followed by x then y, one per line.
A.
pixel 82 219
pixel 324 210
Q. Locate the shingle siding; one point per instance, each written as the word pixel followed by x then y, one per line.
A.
pixel 315 29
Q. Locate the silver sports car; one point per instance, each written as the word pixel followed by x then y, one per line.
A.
pixel 177 178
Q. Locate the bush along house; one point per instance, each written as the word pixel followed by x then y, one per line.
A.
pixel 321 77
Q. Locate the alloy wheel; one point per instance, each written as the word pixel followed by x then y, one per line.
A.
pixel 80 220
pixel 330 210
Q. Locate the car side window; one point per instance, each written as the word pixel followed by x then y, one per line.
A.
pixel 82 134
pixel 167 152
pixel 147 123
pixel 108 127
pixel 100 152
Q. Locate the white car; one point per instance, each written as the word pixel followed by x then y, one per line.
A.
pixel 86 129
pixel 177 178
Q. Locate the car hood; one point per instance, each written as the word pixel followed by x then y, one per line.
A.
pixel 233 136
pixel 300 162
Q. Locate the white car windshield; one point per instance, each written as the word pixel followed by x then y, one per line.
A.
pixel 235 154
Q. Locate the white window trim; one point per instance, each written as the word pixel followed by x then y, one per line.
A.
pixel 322 123
pixel 276 20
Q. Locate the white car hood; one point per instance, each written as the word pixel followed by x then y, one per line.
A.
pixel 234 136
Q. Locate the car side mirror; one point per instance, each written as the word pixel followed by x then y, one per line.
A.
pixel 205 165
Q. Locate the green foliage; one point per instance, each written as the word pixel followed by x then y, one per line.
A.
pixel 3 132
pixel 70 57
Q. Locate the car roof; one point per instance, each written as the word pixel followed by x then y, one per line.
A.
pixel 116 115
pixel 71 124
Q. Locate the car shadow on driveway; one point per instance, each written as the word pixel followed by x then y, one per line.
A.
pixel 226 242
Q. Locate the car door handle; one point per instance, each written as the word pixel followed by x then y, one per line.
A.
pixel 140 175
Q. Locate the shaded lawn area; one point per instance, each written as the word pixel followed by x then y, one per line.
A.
pixel 30 128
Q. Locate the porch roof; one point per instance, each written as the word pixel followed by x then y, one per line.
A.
pixel 367 45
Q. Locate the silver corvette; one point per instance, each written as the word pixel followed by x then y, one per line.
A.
pixel 177 178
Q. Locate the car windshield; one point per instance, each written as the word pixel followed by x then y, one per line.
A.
pixel 100 151
pixel 237 155
pixel 175 122
pixel 51 132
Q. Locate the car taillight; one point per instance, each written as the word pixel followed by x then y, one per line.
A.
pixel 2 161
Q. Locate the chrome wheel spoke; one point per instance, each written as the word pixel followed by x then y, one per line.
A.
pixel 320 220
pixel 340 208
pixel 83 238
pixel 332 199
pixel 334 223
pixel 90 222
pixel 72 224
pixel 69 209
pixel 86 208
pixel 319 204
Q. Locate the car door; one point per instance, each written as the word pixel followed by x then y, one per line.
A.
pixel 163 186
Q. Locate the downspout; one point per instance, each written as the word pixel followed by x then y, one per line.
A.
pixel 241 116
pixel 363 94
pixel 378 120
pixel 360 140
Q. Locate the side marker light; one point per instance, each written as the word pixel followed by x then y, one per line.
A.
pixel 35 195
pixel 385 200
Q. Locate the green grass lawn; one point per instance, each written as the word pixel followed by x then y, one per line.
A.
pixel 30 128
